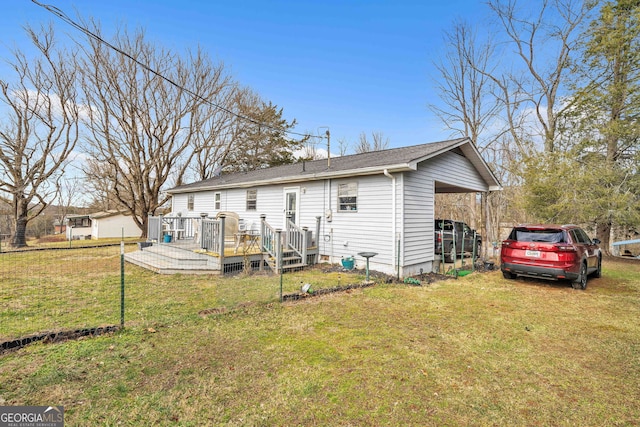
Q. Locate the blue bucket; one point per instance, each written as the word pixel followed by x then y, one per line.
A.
pixel 348 263
pixel 167 238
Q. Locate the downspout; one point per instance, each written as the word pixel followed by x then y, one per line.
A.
pixel 394 220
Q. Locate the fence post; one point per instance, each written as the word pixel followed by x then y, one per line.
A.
pixel 221 247
pixel 279 259
pixel 122 280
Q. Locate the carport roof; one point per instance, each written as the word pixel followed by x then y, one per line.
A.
pixel 626 242
pixel 374 162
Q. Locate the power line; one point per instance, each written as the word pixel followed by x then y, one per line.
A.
pixel 63 16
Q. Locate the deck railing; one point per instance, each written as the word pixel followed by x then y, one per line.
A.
pixel 209 234
pixel 296 239
pixel 178 227
pixel 270 240
pixel 212 235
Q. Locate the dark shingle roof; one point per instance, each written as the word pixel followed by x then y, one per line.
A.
pixel 356 164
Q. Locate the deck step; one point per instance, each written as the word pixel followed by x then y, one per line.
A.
pixel 166 259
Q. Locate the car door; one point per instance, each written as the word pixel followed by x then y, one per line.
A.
pixel 468 238
pixel 589 249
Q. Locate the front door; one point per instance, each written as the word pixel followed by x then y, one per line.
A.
pixel 291 208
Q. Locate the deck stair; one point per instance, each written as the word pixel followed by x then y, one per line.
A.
pixel 171 259
pixel 291 261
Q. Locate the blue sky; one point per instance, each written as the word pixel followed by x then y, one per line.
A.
pixel 354 66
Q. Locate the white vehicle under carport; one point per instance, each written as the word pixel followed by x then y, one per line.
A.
pixel 456 239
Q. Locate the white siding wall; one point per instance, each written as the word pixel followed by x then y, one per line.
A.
pixel 113 226
pixel 419 188
pixel 454 169
pixel 367 230
pixel 270 202
pixel 418 222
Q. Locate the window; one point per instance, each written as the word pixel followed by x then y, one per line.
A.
pixel 347 197
pixel 216 201
pixel 190 199
pixel 79 222
pixel 252 198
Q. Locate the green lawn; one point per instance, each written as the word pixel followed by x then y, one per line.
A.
pixel 479 350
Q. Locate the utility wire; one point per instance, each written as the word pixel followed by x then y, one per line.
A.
pixel 63 16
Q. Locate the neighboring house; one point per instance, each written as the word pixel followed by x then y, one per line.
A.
pixel 78 227
pixel 102 225
pixel 381 201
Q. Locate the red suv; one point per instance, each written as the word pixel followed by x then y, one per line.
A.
pixel 551 252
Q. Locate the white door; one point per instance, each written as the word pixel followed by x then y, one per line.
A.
pixel 291 204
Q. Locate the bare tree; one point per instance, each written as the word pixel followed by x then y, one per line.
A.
pixel 464 85
pixel 343 146
pixel 378 143
pixel 218 134
pixel 543 40
pixel 143 118
pixel 40 130
pixel 69 197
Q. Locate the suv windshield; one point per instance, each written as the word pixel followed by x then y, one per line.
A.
pixel 546 236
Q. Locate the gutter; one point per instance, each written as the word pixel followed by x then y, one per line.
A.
pixel 393 214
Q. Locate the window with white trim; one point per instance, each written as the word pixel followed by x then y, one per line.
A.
pixel 348 197
pixel 216 201
pixel 190 202
pixel 252 200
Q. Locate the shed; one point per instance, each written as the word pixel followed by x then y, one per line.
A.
pixel 101 225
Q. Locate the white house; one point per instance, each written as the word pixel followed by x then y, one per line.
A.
pixel 102 225
pixel 380 201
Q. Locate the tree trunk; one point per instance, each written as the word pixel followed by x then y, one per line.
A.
pixel 19 237
pixel 145 226
pixel 603 232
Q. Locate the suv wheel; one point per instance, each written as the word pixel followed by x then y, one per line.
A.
pixel 598 272
pixel 581 281
pixel 508 275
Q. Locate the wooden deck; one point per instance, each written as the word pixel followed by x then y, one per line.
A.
pixel 184 257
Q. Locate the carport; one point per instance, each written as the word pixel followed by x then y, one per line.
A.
pixel 632 246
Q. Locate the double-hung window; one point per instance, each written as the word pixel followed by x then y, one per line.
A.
pixel 252 200
pixel 348 197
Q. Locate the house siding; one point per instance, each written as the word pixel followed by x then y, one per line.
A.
pixel 418 245
pixel 454 169
pixel 369 229
pixel 419 205
pixel 383 218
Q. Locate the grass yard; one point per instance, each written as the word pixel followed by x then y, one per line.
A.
pixel 479 350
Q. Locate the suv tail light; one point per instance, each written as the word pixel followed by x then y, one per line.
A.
pixel 564 248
